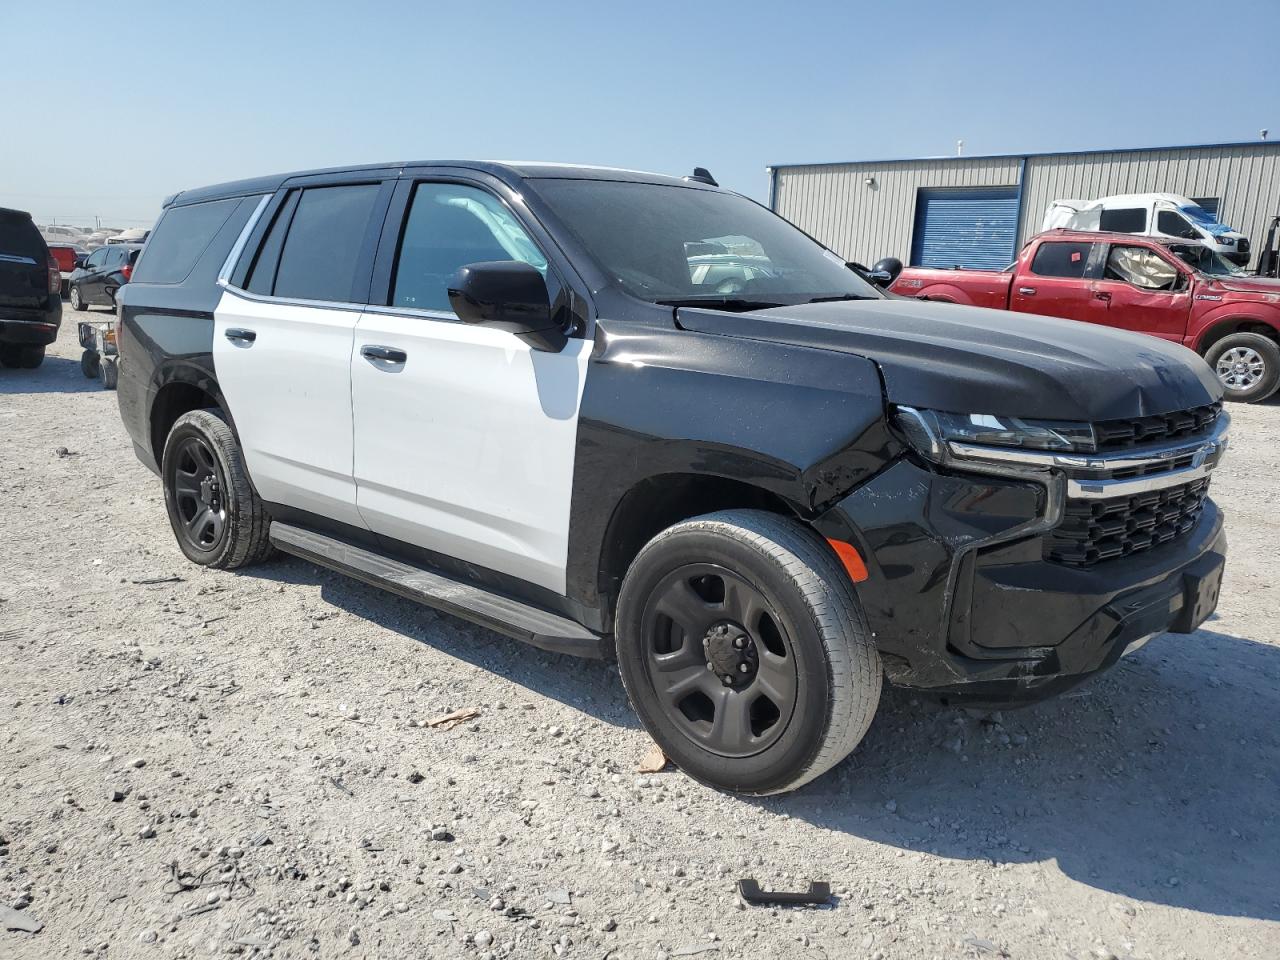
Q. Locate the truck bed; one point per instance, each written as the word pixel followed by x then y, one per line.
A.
pixel 978 288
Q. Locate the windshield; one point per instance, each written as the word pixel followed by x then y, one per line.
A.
pixel 1198 214
pixel 671 244
pixel 1205 260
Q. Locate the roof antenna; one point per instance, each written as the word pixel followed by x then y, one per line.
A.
pixel 703 175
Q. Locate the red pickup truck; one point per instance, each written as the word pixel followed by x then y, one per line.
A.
pixel 1168 288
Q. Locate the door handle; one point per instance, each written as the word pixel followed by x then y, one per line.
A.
pixel 1103 295
pixel 1027 291
pixel 239 335
pixel 372 351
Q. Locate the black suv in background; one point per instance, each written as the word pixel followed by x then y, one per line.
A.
pixel 615 413
pixel 30 292
pixel 103 272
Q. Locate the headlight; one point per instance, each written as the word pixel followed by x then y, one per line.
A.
pixel 931 431
pixel 1226 241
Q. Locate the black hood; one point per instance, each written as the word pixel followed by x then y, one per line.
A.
pixel 972 360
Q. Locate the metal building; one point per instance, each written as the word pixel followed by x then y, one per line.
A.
pixel 979 211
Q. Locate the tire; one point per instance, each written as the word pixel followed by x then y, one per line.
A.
pixel 1247 365
pixel 10 355
pixel 801 676
pixel 77 300
pixel 216 515
pixel 90 364
pixel 110 374
pixel 24 356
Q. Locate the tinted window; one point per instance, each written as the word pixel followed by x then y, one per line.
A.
pixel 1175 225
pixel 19 236
pixel 178 240
pixel 319 258
pixel 96 258
pixel 450 226
pixel 1061 260
pixel 262 275
pixel 1127 220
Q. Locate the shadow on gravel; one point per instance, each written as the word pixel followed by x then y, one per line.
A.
pixel 591 686
pixel 55 375
pixel 1160 781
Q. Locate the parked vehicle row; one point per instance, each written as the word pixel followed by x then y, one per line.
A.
pixel 615 413
pixel 1175 290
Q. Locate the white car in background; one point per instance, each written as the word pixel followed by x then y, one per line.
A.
pixel 1152 215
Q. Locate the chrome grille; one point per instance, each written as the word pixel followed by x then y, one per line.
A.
pixel 1092 531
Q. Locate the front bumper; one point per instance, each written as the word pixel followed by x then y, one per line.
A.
pixel 963 603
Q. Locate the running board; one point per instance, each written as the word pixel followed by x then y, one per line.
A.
pixel 533 625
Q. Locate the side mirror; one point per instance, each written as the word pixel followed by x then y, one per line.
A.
pixel 508 295
pixel 885 272
pixel 80 262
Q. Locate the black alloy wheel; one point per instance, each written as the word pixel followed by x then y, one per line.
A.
pixel 199 492
pixel 719 657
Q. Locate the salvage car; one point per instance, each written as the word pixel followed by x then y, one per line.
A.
pixel 30 292
pixel 521 394
pixel 1170 289
pixel 1151 214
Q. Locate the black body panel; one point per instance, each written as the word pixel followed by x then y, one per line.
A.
pixel 805 426
pixel 972 360
pixel 166 339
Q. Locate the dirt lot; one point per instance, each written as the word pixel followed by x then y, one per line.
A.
pixel 197 763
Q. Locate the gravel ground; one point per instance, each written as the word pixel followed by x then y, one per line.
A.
pixel 196 763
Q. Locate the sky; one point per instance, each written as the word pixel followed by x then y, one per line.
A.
pixel 106 115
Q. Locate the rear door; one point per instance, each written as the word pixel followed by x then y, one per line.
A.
pixel 465 436
pixel 1057 281
pixel 24 263
pixel 282 345
pixel 1143 290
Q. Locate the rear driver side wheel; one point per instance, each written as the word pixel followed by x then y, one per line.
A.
pixel 745 652
pixel 216 515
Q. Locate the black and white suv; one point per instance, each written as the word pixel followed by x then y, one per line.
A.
pixel 608 412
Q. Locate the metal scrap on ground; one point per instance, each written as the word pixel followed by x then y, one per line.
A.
pixel 12 919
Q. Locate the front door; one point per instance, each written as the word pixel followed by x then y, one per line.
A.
pixel 464 435
pixel 1143 291
pixel 282 349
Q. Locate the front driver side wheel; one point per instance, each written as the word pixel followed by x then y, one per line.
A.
pixel 216 515
pixel 77 301
pixel 745 652
pixel 1247 365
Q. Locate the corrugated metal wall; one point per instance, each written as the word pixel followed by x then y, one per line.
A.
pixel 1246 179
pixel 833 202
pixel 866 223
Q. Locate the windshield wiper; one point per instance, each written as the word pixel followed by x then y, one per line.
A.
pixel 841 296
pixel 736 304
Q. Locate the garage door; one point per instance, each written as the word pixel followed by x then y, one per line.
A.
pixel 966 228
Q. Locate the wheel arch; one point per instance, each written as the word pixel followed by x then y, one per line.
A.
pixel 657 502
pixel 1220 326
pixel 182 390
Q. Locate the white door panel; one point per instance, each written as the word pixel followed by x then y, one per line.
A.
pixel 290 396
pixel 468 447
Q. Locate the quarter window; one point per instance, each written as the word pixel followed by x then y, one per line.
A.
pixel 326 235
pixel 182 235
pixel 1124 220
pixel 1061 260
pixel 449 226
